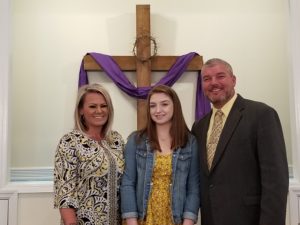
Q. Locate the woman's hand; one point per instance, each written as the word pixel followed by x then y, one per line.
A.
pixel 68 216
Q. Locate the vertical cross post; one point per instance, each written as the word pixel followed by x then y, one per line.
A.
pixel 143 51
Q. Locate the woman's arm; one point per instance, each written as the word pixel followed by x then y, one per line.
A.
pixel 65 179
pixel 68 216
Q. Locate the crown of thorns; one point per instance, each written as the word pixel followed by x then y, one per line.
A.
pixel 153 46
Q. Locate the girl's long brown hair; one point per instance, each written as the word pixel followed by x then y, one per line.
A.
pixel 179 131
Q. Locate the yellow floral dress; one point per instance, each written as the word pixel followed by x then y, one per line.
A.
pixel 159 204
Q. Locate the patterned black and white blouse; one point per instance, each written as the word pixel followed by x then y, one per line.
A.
pixel 87 177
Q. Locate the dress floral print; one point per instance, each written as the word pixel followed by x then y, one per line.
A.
pixel 159 206
pixel 87 177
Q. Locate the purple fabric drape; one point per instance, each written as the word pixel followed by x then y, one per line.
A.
pixel 112 70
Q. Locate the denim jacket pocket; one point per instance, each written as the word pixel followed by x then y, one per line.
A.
pixel 141 157
pixel 184 161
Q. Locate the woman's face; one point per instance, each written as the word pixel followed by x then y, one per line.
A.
pixel 94 110
pixel 161 108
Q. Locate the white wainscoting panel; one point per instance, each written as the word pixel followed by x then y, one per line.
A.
pixel 8 208
pixel 294 202
pixel 4 211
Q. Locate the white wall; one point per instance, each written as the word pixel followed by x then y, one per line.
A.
pixel 49 39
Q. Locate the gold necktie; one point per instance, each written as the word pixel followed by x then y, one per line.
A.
pixel 214 137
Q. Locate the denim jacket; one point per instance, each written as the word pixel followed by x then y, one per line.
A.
pixel 137 180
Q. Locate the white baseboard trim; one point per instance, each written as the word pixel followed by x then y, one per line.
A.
pixel 291 174
pixel 30 180
pixel 31 174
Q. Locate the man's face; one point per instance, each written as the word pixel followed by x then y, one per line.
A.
pixel 218 84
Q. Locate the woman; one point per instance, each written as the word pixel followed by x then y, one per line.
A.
pixel 160 184
pixel 89 163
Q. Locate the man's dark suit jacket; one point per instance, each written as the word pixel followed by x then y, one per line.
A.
pixel 248 181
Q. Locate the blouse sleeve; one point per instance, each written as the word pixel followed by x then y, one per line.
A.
pixel 117 141
pixel 65 173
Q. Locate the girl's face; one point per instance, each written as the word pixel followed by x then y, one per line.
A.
pixel 161 108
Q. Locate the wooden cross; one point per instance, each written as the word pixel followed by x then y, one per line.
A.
pixel 143 68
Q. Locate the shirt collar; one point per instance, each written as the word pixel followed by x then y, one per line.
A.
pixel 227 107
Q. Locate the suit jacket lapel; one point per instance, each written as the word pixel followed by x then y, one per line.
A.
pixel 203 145
pixel 231 123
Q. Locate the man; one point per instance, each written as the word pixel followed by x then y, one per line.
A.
pixel 244 172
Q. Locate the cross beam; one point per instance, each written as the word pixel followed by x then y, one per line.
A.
pixel 143 68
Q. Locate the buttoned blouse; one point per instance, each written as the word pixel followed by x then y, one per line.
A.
pixel 87 177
